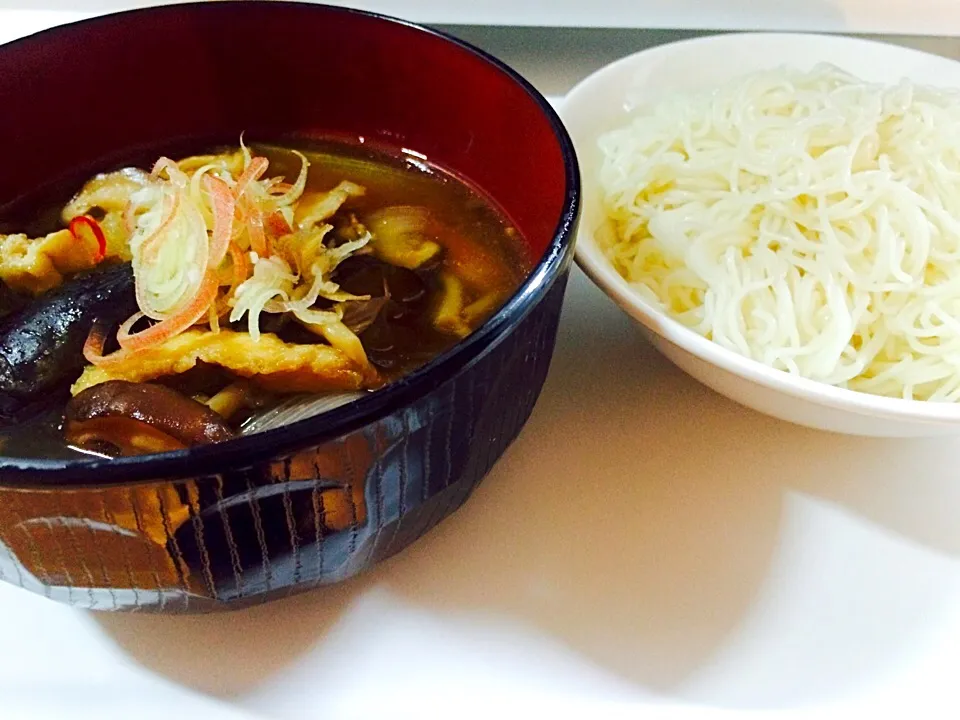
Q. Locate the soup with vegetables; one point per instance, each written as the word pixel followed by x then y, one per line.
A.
pixel 229 293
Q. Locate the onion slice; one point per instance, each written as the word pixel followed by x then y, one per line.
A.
pixel 177 323
pixel 149 247
pixel 174 173
pixel 224 207
pixel 93 349
pixel 253 217
pixel 256 168
pixel 296 190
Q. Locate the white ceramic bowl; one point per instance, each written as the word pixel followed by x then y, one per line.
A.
pixel 598 104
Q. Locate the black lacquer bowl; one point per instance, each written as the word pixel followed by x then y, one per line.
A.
pixel 323 499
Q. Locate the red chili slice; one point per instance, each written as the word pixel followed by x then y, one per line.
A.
pixel 87 230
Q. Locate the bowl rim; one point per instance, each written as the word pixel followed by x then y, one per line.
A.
pixel 244 452
pixel 601 272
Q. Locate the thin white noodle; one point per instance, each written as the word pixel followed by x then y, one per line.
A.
pixel 807 220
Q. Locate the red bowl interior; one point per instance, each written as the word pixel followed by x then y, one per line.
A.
pixel 80 94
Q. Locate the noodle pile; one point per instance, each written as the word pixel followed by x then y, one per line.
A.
pixel 807 220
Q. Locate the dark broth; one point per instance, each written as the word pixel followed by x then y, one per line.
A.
pixel 401 344
pixel 403 337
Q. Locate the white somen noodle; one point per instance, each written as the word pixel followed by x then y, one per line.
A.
pixel 807 220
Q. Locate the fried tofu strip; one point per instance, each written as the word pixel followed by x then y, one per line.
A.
pixel 270 363
pixel 231 162
pixel 109 193
pixel 314 208
pixel 35 265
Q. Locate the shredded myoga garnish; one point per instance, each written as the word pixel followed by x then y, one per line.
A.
pixel 207 245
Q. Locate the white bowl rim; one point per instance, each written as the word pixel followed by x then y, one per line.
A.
pixel 596 266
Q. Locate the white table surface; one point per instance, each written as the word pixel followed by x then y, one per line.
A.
pixel 645 549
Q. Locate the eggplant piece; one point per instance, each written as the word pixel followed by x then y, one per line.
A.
pixel 41 346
